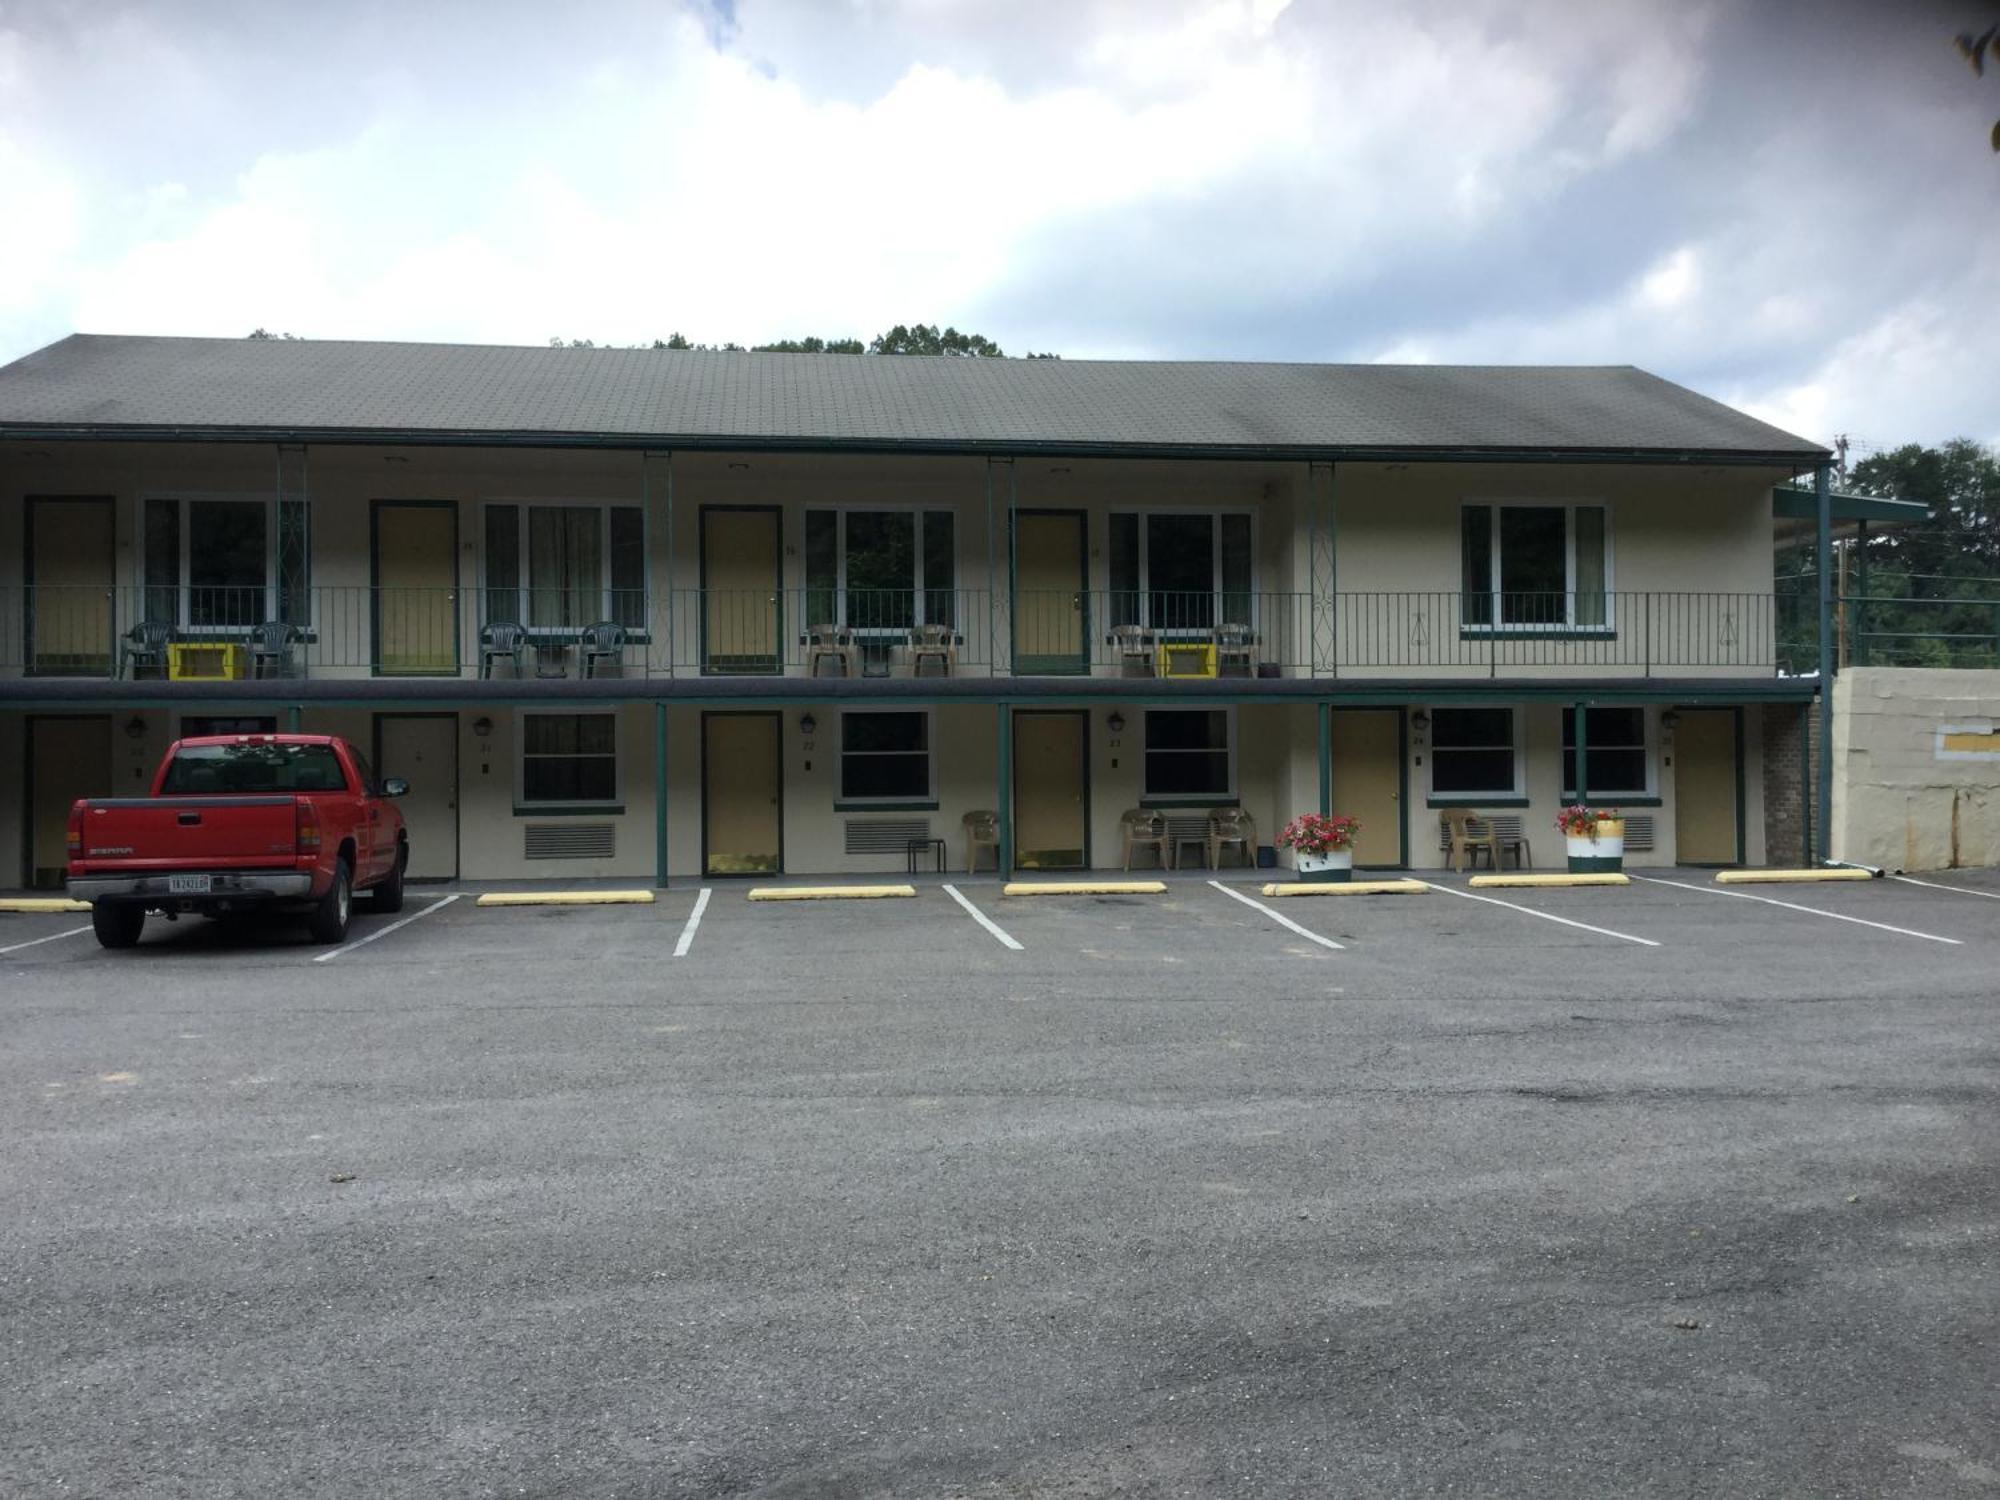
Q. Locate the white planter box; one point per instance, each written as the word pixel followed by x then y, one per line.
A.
pixel 1336 864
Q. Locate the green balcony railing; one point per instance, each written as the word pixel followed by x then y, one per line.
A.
pixel 208 633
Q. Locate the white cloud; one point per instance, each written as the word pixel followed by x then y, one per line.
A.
pixel 1486 182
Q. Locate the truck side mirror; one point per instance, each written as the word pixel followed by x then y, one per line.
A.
pixel 395 786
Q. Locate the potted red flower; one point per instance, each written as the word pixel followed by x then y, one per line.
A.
pixel 1324 845
pixel 1595 837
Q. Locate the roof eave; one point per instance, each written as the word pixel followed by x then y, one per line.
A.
pixel 1792 460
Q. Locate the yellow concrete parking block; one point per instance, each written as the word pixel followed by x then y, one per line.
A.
pixel 1778 877
pixel 1348 888
pixel 566 898
pixel 28 905
pixel 829 892
pixel 1602 877
pixel 1084 888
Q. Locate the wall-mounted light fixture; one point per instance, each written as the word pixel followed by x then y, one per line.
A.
pixel 482 727
pixel 1115 722
pixel 1420 720
pixel 807 724
pixel 135 728
pixel 1669 720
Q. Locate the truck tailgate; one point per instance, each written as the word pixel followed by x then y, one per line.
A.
pixel 215 833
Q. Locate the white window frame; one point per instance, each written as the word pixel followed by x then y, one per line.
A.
pixel 183 588
pixel 840 511
pixel 841 752
pixel 1568 625
pixel 522 588
pixel 1215 513
pixel 1187 799
pixel 1648 727
pixel 1517 791
pixel 573 711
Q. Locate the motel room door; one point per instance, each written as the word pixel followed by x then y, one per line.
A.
pixel 1051 790
pixel 742 614
pixel 1051 610
pixel 742 794
pixel 423 750
pixel 1367 758
pixel 416 588
pixel 71 567
pixel 1708 787
pixel 68 757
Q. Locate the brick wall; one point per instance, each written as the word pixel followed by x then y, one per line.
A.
pixel 1786 802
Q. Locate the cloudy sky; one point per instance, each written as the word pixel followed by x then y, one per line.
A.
pixel 1790 206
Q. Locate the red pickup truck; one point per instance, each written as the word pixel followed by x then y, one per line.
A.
pixel 239 823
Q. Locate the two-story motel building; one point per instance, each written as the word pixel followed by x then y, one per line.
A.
pixel 647 614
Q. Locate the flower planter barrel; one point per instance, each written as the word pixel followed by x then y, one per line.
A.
pixel 1602 854
pixel 1334 865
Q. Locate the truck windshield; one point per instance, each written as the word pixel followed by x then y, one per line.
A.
pixel 212 770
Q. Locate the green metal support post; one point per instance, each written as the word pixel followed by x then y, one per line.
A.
pixel 1823 495
pixel 660 794
pixel 1326 760
pixel 1003 855
pixel 292 719
pixel 1583 753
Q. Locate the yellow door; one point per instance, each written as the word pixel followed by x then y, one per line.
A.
pixel 69 609
pixel 1705 787
pixel 416 589
pixel 742 794
pixel 1050 624
pixel 67 759
pixel 1051 815
pixel 423 750
pixel 1367 781
pixel 740 616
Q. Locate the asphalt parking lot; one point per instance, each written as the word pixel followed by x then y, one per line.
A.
pixel 1652 1190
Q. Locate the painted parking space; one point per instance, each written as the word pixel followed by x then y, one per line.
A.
pixel 25 933
pixel 1827 905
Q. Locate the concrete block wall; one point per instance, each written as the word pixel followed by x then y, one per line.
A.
pixel 1916 767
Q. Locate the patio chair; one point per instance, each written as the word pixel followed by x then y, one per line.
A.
pixel 601 642
pixel 1231 825
pixel 982 829
pixel 271 649
pixel 933 651
pixel 1133 646
pixel 1235 651
pixel 829 646
pixel 1144 829
pixel 503 640
pixel 145 645
pixel 1507 835
pixel 1464 834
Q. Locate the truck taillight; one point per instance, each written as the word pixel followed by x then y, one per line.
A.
pixel 306 834
pixel 76 831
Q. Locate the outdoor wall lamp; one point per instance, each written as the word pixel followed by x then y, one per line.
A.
pixel 482 727
pixel 1420 720
pixel 135 728
pixel 807 724
pixel 1669 720
pixel 1115 722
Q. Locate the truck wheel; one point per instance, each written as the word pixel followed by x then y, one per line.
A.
pixel 329 918
pixel 388 896
pixel 116 924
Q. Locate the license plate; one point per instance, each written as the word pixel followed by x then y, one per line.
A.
pixel 188 885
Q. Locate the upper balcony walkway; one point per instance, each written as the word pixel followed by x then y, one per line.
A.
pixel 232 634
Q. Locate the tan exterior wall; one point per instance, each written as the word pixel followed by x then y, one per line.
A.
pixel 1916 768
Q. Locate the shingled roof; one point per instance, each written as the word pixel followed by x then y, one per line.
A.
pixel 92 385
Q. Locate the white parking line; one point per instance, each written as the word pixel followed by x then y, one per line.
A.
pixel 1929 937
pixel 1546 916
pixel 1956 890
pixel 981 918
pixel 694 920
pixel 382 932
pixel 1279 917
pixel 32 942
